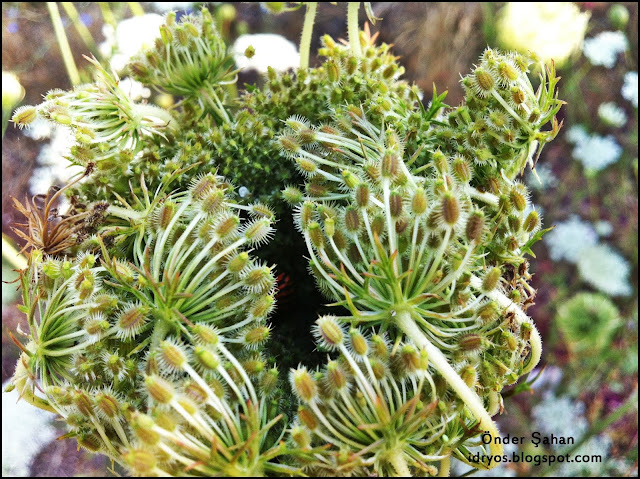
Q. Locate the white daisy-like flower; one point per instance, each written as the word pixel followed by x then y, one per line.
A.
pixel 25 430
pixel 560 416
pixel 603 228
pixel 129 37
pixel 552 30
pixel 597 152
pixel 605 269
pixel 612 115
pixel 577 134
pixel 569 238
pixel 604 48
pixel 630 88
pixel 271 50
pixel 543 178
pixel 53 168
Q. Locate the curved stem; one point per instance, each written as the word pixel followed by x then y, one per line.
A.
pixel 521 317
pixel 441 364
pixel 307 30
pixel 352 28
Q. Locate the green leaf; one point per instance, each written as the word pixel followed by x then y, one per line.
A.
pixel 526 249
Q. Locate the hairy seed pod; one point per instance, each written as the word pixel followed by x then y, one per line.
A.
pixel 329 227
pixel 395 204
pixel 461 169
pixel 256 336
pixel 440 161
pixel 419 201
pixel 292 195
pixel 518 199
pixel 141 461
pixel 142 426
pixel 329 332
pixel 315 235
pixel 362 195
pixel 239 263
pixel 336 376
pixel 206 358
pixel 307 418
pixel 390 165
pixel 303 384
pixel 475 226
pixel 484 79
pixel 172 355
pixel 450 209
pixel 488 312
pixel 358 342
pixel 159 389
pixel 491 279
pixel 532 222
pixel 352 220
pixel 470 342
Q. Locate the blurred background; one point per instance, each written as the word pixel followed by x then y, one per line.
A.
pixel 585 269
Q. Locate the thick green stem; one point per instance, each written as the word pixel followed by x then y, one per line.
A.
pixel 397 460
pixel 445 467
pixel 408 326
pixel 307 30
pixel 352 28
pixel 63 43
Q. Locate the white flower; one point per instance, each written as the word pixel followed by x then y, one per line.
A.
pixel 12 90
pixel 569 238
pixel 271 50
pixel 53 168
pixel 134 89
pixel 612 115
pixel 604 228
pixel 169 6
pixel 552 30
pixel 605 269
pixel 130 36
pixel 603 49
pixel 630 88
pixel 543 178
pixel 577 134
pixel 597 152
pixel 25 431
pixel 561 416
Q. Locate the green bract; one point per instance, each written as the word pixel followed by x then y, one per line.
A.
pixel 149 306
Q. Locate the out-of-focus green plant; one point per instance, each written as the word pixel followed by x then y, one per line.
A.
pixel 587 322
pixel 148 313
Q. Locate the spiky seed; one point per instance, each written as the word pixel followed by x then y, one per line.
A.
pixel 450 209
pixel 315 235
pixel 329 332
pixel 206 358
pixel 159 389
pixel 239 263
pixel 491 279
pixel 362 195
pixel 303 384
pixel 475 227
pixel 307 418
pixel 419 201
pixel 352 220
pixel 532 222
pixel 358 342
pixel 141 461
pixel 395 204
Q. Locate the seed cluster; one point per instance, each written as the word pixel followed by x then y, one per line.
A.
pixel 149 309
